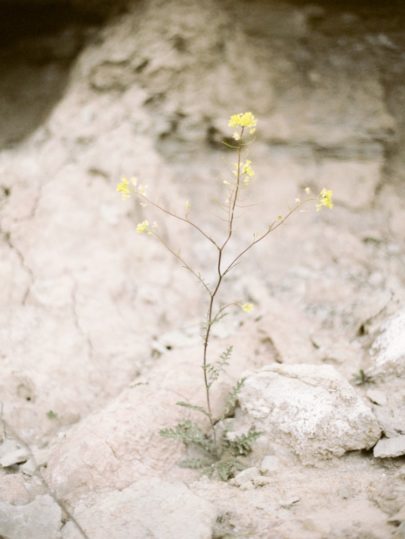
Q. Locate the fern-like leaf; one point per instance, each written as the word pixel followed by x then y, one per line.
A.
pixel 214 369
pixel 190 434
pixel 232 399
pixel 192 407
pixel 241 446
pixel 195 463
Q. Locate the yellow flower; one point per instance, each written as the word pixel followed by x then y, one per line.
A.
pixel 143 228
pixel 247 307
pixel 244 119
pixel 124 188
pixel 247 169
pixel 325 199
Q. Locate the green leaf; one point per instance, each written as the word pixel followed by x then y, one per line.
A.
pixel 241 446
pixel 232 399
pixel 192 407
pixel 190 434
pixel 214 369
pixel 195 463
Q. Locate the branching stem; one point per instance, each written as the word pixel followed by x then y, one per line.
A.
pixel 213 290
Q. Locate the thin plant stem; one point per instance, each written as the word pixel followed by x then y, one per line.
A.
pixel 210 319
pixel 178 217
pixel 182 261
pixel 213 290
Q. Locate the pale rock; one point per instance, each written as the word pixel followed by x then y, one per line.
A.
pixel 388 349
pixel 121 443
pixel 12 453
pixel 377 397
pixel 249 478
pixel 276 337
pixel 270 464
pixel 309 409
pixel 390 447
pixel 40 519
pixel 245 477
pixel 391 418
pixel 148 509
pixel 13 489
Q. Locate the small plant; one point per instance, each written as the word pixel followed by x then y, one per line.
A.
pixel 362 377
pixel 217 454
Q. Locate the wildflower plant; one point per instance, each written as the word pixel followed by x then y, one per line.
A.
pixel 217 452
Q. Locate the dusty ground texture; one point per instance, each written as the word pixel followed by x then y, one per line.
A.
pixel 99 332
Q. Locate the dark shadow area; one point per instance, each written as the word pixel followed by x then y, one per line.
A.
pixel 39 40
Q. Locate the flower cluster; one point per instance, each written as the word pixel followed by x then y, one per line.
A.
pixel 325 199
pixel 243 119
pixel 143 228
pixel 127 187
pixel 247 171
pixel 124 188
pixel 247 307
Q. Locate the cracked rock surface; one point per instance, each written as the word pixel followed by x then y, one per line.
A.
pixel 99 327
pixel 310 409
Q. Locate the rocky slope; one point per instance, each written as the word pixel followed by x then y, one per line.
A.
pixel 99 333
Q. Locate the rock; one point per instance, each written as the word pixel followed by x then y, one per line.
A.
pixel 120 443
pixel 40 519
pixel 309 409
pixel 276 337
pixel 12 453
pixel 390 447
pixel 270 464
pixel 13 489
pixel 388 348
pixel 287 504
pixel 150 508
pixel 249 478
pixel 377 397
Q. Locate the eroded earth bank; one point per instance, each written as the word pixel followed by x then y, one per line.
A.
pixel 99 332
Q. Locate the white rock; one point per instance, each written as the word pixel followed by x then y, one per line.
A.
pixel 390 447
pixel 269 464
pixel 310 409
pixel 389 347
pixel 151 508
pixel 12 453
pixel 376 396
pixel 245 477
pixel 13 489
pixel 40 519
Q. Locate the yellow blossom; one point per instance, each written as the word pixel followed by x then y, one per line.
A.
pixel 247 169
pixel 307 190
pixel 244 119
pixel 325 199
pixel 124 188
pixel 247 307
pixel 143 228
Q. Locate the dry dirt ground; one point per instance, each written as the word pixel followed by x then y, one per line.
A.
pixel 99 327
